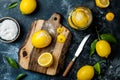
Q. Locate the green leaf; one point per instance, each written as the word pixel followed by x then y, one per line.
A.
pixel 21 76
pixel 97 68
pixel 12 5
pixel 11 62
pixel 92 47
pixel 109 38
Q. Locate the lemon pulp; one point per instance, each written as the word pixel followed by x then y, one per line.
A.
pixel 45 59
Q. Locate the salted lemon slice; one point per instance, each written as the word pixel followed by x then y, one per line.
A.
pixel 45 59
pixel 102 3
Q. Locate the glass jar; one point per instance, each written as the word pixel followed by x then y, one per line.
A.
pixel 80 18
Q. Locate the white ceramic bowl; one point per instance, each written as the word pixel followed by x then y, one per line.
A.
pixel 18 26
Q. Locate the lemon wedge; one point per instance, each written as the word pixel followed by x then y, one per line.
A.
pixel 102 3
pixel 45 59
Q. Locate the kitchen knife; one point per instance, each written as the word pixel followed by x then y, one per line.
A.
pixel 79 50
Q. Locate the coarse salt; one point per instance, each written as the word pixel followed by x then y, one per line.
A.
pixel 8 30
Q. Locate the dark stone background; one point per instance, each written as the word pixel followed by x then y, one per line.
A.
pixel 110 70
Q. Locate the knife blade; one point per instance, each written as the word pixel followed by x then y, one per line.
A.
pixel 77 53
pixel 80 48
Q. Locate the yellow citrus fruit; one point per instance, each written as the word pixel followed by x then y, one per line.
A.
pixel 71 24
pixel 60 30
pixel 61 38
pixel 28 6
pixel 103 48
pixel 85 73
pixel 45 59
pixel 102 3
pixel 41 39
pixel 109 16
pixel 79 18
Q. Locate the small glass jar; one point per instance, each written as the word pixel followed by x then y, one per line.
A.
pixel 80 18
pixel 17 30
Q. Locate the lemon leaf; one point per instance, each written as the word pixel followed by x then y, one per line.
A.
pixel 108 37
pixel 97 67
pixel 20 76
pixel 12 62
pixel 92 47
pixel 12 5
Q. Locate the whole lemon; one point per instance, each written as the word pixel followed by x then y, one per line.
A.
pixel 103 48
pixel 41 39
pixel 85 73
pixel 28 6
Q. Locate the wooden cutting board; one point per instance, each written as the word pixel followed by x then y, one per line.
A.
pixel 28 55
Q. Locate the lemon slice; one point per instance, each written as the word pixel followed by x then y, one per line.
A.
pixel 61 38
pixel 109 16
pixel 60 30
pixel 45 59
pixel 102 3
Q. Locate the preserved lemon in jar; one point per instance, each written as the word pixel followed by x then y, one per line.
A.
pixel 80 18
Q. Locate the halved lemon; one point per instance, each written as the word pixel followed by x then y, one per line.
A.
pixel 45 59
pixel 102 3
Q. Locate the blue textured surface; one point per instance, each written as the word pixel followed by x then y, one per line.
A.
pixel 110 68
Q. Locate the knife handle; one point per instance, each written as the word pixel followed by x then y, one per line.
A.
pixel 68 68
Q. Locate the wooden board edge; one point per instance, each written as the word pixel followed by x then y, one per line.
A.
pixel 22 49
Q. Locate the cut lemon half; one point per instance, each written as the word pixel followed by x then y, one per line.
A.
pixel 45 59
pixel 102 3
